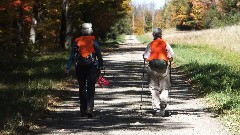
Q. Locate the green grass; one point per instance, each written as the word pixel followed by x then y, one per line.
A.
pixel 215 74
pixel 210 69
pixel 144 39
pixel 112 43
pixel 25 86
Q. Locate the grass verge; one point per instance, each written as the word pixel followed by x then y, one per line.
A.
pixel 26 87
pixel 215 75
pixel 144 39
pixel 110 43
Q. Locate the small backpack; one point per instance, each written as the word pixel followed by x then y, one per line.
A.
pixel 158 63
pixel 85 60
pixel 158 57
pixel 85 51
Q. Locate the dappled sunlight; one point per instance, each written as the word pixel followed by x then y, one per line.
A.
pixel 118 106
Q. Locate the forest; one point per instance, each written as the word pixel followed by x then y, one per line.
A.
pixel 186 15
pixel 30 26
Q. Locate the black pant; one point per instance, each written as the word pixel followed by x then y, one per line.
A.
pixel 86 76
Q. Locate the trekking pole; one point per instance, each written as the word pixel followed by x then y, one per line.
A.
pixel 104 72
pixel 170 71
pixel 142 84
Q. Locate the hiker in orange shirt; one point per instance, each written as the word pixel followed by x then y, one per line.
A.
pixel 158 54
pixel 88 58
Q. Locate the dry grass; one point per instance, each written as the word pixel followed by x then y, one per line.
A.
pixel 225 38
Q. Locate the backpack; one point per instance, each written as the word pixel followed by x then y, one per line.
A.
pixel 158 63
pixel 158 57
pixel 85 51
pixel 88 60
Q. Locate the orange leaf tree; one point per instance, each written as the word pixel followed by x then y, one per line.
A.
pixel 15 20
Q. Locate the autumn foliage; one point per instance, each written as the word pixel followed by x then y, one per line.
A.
pixel 190 14
pixel 18 18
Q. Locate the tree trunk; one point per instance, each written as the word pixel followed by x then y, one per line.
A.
pixel 63 27
pixel 144 21
pixel 17 39
pixel 133 26
pixel 152 20
pixel 33 32
pixel 69 29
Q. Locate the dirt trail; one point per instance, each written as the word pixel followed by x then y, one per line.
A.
pixel 117 107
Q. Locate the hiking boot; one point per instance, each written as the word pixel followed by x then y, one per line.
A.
pixel 157 113
pixel 162 112
pixel 83 115
pixel 90 115
pixel 163 106
pixel 167 113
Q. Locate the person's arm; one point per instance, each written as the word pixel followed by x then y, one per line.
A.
pixel 71 57
pixel 98 54
pixel 147 52
pixel 170 52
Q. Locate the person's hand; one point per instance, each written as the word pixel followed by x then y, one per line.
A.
pixel 67 72
pixel 100 68
pixel 146 60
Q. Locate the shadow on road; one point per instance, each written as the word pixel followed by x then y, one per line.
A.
pixel 125 79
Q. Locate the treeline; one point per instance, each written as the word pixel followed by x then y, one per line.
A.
pixel 28 26
pixel 186 15
pixel 44 25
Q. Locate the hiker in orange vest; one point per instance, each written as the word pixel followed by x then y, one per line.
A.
pixel 88 59
pixel 158 54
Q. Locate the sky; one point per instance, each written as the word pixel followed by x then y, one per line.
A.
pixel 158 3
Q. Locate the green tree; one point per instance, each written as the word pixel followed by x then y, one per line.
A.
pixel 102 14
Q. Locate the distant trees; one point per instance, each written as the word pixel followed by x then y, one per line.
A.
pixel 40 26
pixel 37 26
pixel 144 18
pixel 188 14
pixel 223 12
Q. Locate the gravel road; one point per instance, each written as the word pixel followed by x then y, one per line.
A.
pixel 118 107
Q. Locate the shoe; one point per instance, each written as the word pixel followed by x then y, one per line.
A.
pixel 162 112
pixel 167 113
pixel 90 115
pixel 157 113
pixel 163 106
pixel 83 114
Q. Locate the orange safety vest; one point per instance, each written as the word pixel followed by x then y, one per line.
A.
pixel 85 44
pixel 158 50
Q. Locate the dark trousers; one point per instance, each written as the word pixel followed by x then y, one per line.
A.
pixel 86 76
